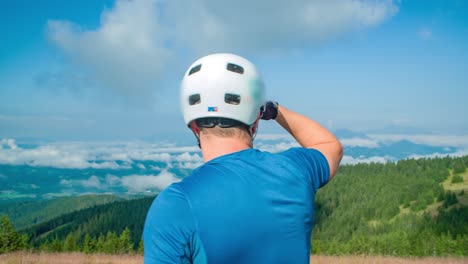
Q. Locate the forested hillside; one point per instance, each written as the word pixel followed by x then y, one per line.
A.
pixel 415 207
pixel 26 213
pixel 95 221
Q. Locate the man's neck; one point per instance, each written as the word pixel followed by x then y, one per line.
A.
pixel 213 147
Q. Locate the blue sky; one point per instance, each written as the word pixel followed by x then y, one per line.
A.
pixel 107 70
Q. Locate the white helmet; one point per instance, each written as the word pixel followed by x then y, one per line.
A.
pixel 222 85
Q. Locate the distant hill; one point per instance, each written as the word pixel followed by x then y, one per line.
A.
pixel 27 213
pixel 96 220
pixel 397 150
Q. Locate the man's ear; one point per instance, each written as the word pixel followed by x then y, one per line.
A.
pixel 254 127
pixel 193 126
pixel 196 131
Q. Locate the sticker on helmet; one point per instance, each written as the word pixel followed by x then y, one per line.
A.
pixel 212 109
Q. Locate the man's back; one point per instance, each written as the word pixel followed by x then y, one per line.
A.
pixel 244 207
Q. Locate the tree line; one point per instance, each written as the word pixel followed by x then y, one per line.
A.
pixel 110 243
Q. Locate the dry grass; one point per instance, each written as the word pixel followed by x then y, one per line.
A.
pixel 75 258
pixel 384 260
pixel 68 258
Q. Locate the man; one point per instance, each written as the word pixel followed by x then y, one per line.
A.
pixel 243 205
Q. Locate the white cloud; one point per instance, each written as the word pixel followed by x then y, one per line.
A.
pixel 125 53
pixel 137 40
pixel 425 33
pixel 8 143
pixel 350 160
pixel 65 182
pixel 141 183
pixel 189 165
pixel 92 182
pixel 112 180
pixel 263 137
pixel 277 147
pixel 272 24
pixel 359 142
pixel 134 183
pixel 187 157
pixel 459 153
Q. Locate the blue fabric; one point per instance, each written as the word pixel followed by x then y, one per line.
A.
pixel 245 207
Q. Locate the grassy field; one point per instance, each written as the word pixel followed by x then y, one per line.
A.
pixel 75 258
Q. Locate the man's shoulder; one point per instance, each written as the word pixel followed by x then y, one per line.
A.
pixel 174 193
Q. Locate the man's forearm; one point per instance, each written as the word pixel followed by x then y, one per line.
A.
pixel 310 134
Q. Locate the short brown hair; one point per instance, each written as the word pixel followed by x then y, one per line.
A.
pixel 235 131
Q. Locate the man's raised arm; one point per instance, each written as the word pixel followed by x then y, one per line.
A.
pixel 310 134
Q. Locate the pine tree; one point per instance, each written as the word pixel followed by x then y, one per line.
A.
pixel 45 246
pixel 55 245
pixel 89 244
pixel 9 239
pixel 70 243
pixel 458 166
pixel 100 243
pixel 125 242
pixel 141 247
pixel 111 244
pixel 24 239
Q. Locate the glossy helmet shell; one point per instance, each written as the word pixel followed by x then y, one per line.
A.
pixel 222 85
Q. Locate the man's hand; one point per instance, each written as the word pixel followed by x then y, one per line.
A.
pixel 269 110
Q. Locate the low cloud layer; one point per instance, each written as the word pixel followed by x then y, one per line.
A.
pixel 132 183
pixel 81 155
pixel 124 155
pixel 130 51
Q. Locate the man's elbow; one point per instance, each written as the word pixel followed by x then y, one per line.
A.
pixel 339 151
pixel 337 155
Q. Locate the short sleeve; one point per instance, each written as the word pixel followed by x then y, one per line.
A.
pixel 169 229
pixel 313 163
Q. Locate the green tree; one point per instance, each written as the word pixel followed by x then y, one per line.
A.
pixel 56 245
pixel 458 166
pixel 125 243
pixel 450 199
pixel 457 179
pixel 111 244
pixel 100 243
pixel 10 240
pixel 70 243
pixel 45 246
pixel 89 244
pixel 141 247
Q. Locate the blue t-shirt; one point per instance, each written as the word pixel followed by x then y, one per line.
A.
pixel 245 207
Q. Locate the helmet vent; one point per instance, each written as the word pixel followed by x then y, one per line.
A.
pixel 195 69
pixel 233 99
pixel 235 68
pixel 194 99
